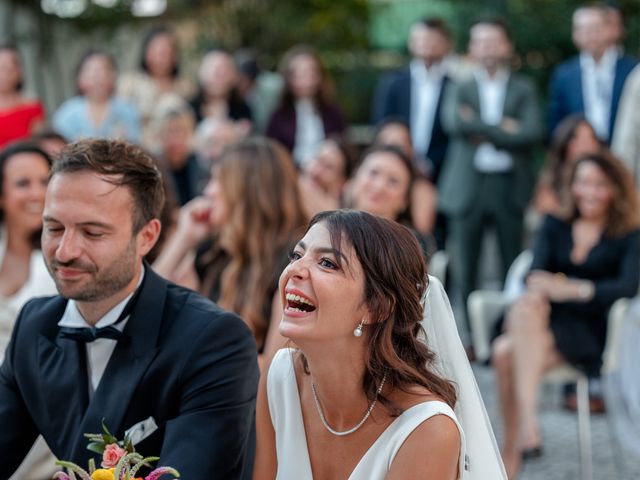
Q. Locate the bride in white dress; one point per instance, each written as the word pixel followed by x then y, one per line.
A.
pixel 363 396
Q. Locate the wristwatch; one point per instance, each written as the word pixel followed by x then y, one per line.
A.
pixel 584 290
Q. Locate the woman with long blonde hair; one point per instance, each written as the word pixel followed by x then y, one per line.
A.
pixel 235 238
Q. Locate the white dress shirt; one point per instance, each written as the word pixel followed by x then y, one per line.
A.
pixel 99 351
pixel 597 89
pixel 426 85
pixel 491 93
pixel 309 132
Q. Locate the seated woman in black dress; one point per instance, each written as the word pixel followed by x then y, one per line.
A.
pixel 582 264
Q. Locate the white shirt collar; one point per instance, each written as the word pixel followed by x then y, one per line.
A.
pixel 420 72
pixel 500 78
pixel 608 60
pixel 73 318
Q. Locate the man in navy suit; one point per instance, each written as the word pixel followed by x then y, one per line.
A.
pixel 120 343
pixel 590 83
pixel 414 93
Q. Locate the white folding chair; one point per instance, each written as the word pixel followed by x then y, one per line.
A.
pixel 438 265
pixel 486 306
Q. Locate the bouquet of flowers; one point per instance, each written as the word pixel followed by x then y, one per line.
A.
pixel 119 461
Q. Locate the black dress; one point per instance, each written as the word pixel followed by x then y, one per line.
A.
pixel 209 269
pixel 613 265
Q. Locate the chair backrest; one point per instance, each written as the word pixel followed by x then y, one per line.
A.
pixel 438 266
pixel 514 283
pixel 623 310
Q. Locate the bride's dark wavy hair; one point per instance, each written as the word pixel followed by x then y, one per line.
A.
pixel 395 280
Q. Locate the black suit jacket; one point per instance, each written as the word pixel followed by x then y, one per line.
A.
pixel 393 99
pixel 189 365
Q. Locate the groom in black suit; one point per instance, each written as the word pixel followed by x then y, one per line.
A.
pixel 120 343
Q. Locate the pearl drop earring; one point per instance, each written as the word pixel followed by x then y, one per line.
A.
pixel 358 330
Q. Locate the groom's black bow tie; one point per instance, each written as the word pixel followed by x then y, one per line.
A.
pixel 90 334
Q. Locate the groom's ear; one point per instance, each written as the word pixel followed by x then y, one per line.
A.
pixel 148 236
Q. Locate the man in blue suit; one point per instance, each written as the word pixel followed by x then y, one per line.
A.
pixel 590 83
pixel 120 343
pixel 414 93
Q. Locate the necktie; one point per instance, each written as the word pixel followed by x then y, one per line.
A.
pixel 90 334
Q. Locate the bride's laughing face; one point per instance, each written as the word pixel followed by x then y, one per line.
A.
pixel 322 289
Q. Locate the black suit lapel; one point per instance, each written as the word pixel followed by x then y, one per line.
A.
pixel 63 377
pixel 616 92
pixel 127 364
pixel 437 125
pixel 405 95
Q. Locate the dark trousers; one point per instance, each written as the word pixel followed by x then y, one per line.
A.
pixel 493 207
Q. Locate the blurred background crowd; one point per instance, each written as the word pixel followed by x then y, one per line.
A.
pixel 504 134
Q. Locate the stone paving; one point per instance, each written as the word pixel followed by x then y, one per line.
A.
pixel 560 459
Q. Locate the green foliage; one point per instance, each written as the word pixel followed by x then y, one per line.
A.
pixel 359 39
pixel 274 26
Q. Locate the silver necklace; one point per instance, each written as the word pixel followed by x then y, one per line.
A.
pixel 351 430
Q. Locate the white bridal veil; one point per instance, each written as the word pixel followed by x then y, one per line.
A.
pixel 483 460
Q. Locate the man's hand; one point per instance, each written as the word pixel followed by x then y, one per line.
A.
pixel 510 125
pixel 466 113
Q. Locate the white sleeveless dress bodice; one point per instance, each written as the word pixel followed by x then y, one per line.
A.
pixel 291 444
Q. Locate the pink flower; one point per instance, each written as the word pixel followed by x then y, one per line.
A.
pixel 112 455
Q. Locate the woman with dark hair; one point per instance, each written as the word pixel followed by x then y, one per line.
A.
pixel 96 111
pixel 324 178
pixel 307 113
pixel 24 173
pixel 572 139
pixel 158 76
pixel 50 141
pixel 396 132
pixel 582 263
pixel 218 95
pixel 232 243
pixel 359 397
pixel 19 115
pixel 383 184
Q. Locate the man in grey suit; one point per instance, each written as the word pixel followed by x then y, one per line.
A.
pixel 493 120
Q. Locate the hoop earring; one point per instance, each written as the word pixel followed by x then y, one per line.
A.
pixel 358 330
